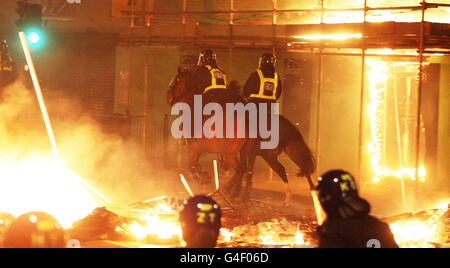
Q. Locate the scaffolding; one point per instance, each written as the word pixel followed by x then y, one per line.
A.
pixel 366 35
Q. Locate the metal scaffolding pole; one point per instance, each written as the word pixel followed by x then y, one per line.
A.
pixel 419 102
pixel 361 107
pixel 230 48
pixel 319 93
pixel 144 127
pixel 265 11
pixel 183 26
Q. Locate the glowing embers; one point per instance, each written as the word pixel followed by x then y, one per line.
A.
pixel 421 231
pixel 157 225
pixel 40 184
pixel 276 233
pixel 152 226
pixel 378 73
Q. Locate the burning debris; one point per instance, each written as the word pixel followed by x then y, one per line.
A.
pixel 158 222
pixel 159 225
pixel 99 225
pixel 427 229
pixel 275 233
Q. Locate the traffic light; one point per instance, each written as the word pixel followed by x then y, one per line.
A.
pixel 30 21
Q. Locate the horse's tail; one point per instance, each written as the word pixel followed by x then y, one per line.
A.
pixel 302 156
pixel 299 152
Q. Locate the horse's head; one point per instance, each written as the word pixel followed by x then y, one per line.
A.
pixel 179 91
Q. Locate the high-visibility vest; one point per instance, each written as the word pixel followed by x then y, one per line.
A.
pixel 215 74
pixel 266 84
pixel 5 64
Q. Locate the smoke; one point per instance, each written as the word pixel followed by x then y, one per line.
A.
pixel 115 166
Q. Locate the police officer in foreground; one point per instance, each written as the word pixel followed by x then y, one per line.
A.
pixel 264 84
pixel 34 230
pixel 209 79
pixel 348 223
pixel 200 221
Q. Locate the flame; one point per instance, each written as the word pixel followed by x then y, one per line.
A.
pixel 40 184
pixel 154 224
pixel 417 233
pixel 226 235
pixel 413 233
pixel 377 77
pixel 281 233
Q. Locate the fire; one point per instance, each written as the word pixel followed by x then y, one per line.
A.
pixel 165 228
pixel 417 233
pixel 377 77
pixel 277 233
pixel 413 233
pixel 40 184
pixel 226 235
pixel 160 222
pixel 152 225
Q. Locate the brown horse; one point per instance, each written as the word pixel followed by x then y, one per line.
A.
pixel 291 142
pixel 229 148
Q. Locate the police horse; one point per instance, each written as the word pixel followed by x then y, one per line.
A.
pixel 290 141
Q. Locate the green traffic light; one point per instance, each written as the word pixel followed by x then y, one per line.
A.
pixel 34 37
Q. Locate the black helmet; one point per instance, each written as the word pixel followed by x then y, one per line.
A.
pixel 187 64
pixel 267 60
pixel 207 57
pixel 35 230
pixel 200 221
pixel 339 196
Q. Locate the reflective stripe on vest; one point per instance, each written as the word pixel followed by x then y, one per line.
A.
pixel 266 84
pixel 214 84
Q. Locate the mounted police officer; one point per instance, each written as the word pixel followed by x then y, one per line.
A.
pixel 348 223
pixel 209 79
pixel 263 88
pixel 264 84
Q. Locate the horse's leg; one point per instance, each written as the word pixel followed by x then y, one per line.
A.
pixel 273 162
pixel 194 166
pixel 250 161
pixel 234 186
pixel 231 184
